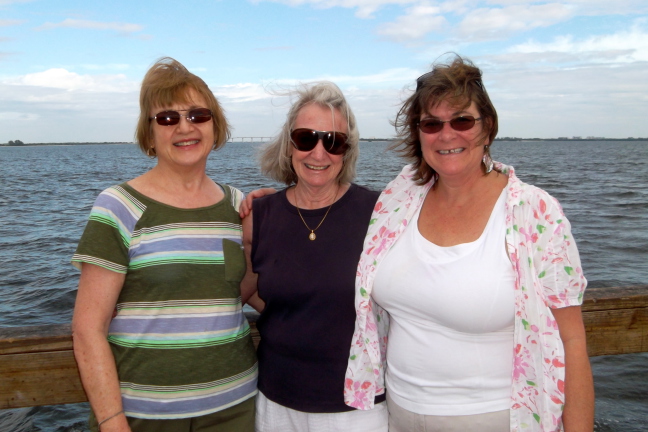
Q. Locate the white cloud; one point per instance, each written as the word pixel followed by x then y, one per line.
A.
pixel 63 79
pixel 387 78
pixel 7 23
pixel 625 46
pixel 364 8
pixel 8 2
pixel 415 24
pixel 122 28
pixel 18 116
pixel 488 23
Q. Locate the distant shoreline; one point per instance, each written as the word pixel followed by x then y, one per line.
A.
pixel 361 139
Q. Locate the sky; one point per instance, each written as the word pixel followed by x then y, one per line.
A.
pixel 70 71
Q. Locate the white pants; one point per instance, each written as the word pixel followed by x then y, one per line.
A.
pixel 272 417
pixel 402 420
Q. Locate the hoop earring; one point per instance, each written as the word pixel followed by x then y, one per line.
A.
pixel 487 160
pixel 150 152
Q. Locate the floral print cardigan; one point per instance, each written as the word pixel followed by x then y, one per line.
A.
pixel 548 275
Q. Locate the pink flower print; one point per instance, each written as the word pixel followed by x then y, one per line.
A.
pixel 528 234
pixel 543 206
pixel 519 365
pixel 387 191
pixel 360 399
pixel 348 383
pixel 561 386
pixel 557 363
pixel 378 206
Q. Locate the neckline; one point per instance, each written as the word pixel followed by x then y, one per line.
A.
pixel 321 210
pixel 467 245
pixel 134 191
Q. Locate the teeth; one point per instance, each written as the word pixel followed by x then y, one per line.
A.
pixel 185 143
pixel 457 150
pixel 317 168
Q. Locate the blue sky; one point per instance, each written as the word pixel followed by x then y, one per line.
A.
pixel 70 70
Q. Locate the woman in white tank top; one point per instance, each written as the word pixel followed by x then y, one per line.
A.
pixel 469 287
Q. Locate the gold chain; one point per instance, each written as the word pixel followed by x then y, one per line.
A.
pixel 312 235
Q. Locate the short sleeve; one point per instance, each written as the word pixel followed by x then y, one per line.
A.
pixel 237 197
pixel 106 239
pixel 557 259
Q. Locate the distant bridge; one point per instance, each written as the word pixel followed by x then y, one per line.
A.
pixel 250 139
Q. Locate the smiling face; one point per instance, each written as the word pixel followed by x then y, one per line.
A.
pixel 449 152
pixel 185 144
pixel 318 168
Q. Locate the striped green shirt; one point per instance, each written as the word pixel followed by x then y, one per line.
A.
pixel 180 340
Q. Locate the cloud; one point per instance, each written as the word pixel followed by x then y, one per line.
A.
pixel 495 23
pixel 8 2
pixel 364 8
pixel 58 78
pixel 415 24
pixel 7 23
pixel 625 46
pixel 121 28
pixel 387 78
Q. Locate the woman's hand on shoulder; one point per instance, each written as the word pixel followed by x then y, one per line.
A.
pixel 246 205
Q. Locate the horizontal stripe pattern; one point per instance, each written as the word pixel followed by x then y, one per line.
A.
pixel 77 259
pixel 164 402
pixel 177 324
pixel 119 209
pixel 187 243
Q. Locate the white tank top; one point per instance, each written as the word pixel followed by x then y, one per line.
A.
pixel 450 349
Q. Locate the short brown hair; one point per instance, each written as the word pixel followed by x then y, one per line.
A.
pixel 275 157
pixel 460 83
pixel 168 82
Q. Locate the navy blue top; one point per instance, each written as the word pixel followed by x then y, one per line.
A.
pixel 309 292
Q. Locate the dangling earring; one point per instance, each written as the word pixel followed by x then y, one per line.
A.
pixel 150 152
pixel 487 160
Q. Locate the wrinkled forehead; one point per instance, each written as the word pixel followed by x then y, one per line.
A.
pixel 461 103
pixel 314 112
pixel 180 95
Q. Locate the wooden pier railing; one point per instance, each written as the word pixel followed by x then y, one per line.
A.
pixel 37 365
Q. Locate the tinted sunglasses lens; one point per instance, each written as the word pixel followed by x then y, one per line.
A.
pixel 430 126
pixel 335 143
pixel 462 123
pixel 167 118
pixel 200 115
pixel 304 139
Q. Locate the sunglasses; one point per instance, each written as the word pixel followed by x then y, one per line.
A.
pixel 461 124
pixel 306 139
pixel 170 118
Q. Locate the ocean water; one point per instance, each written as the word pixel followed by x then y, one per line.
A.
pixel 47 192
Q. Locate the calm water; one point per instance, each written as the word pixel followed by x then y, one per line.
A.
pixel 46 195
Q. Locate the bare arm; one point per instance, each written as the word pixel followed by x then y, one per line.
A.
pixel 246 205
pixel 578 415
pixel 249 293
pixel 99 289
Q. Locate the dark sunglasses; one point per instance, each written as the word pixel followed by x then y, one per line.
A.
pixel 306 140
pixel 462 123
pixel 170 118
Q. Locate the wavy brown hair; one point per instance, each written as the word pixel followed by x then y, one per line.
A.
pixel 459 83
pixel 168 82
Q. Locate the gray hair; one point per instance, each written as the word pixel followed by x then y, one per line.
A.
pixel 275 157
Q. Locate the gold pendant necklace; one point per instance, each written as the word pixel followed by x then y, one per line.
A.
pixel 312 235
